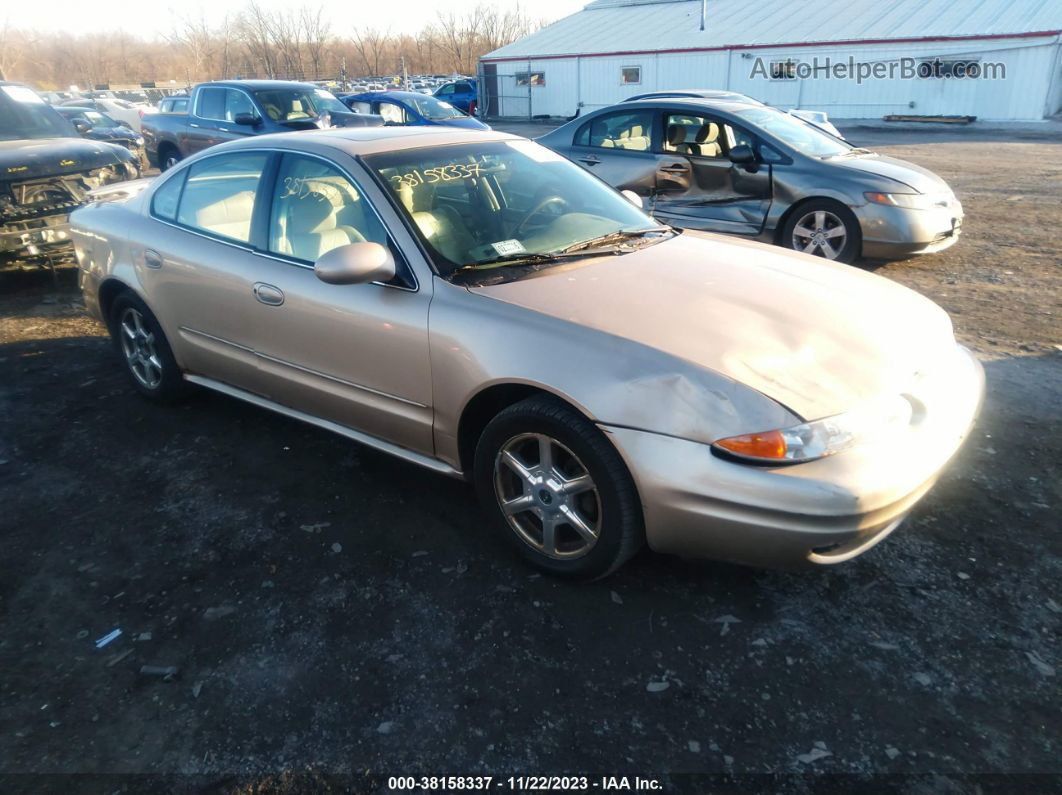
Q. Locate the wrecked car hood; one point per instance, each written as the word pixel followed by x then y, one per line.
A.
pixel 47 157
pixel 815 336
pixel 921 179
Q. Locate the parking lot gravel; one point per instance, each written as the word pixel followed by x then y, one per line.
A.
pixel 316 616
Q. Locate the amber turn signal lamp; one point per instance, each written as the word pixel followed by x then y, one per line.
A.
pixel 769 444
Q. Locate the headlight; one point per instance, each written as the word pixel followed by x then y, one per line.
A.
pixel 820 438
pixel 912 201
pixel 139 141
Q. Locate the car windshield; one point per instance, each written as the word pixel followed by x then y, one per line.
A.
pixel 23 114
pixel 298 104
pixel 495 203
pixel 797 133
pixel 435 109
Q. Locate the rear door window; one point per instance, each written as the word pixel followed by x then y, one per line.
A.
pixel 219 195
pixel 211 104
pixel 631 131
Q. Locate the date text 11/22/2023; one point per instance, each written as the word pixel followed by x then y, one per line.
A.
pixel 523 783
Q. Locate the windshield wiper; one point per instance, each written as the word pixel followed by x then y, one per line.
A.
pixel 618 236
pixel 516 259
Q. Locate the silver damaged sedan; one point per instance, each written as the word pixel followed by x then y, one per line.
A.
pixel 474 303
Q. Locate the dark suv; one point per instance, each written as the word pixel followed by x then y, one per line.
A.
pixel 46 172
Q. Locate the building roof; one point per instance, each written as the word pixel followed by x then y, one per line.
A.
pixel 637 26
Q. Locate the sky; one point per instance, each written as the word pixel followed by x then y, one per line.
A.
pixel 78 16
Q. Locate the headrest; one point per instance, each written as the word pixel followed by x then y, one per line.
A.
pixel 676 134
pixel 707 133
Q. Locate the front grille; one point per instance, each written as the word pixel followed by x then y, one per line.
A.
pixel 46 196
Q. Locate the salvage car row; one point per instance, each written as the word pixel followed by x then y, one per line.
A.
pixel 703 160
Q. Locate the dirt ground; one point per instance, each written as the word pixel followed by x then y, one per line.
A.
pixel 336 617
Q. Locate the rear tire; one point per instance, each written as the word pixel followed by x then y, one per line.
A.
pixel 570 505
pixel 824 228
pixel 144 351
pixel 168 157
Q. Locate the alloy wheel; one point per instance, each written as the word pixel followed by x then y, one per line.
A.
pixel 547 496
pixel 138 346
pixel 821 233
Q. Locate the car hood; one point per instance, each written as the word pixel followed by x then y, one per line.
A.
pixel 921 179
pixel 45 157
pixel 815 336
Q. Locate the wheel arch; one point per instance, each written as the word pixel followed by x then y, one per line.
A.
pixel 487 403
pixel 779 228
pixel 108 292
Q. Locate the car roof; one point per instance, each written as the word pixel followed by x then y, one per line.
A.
pixel 372 140
pixel 258 85
pixel 384 95
pixel 730 105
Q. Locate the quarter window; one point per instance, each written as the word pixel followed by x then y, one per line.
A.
pixel 316 209
pixel 219 193
pixel 164 202
pixel 630 131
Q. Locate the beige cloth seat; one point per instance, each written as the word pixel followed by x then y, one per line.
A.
pixel 707 140
pixel 309 228
pixel 441 226
pixel 228 215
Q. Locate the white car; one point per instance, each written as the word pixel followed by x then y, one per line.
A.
pixel 115 108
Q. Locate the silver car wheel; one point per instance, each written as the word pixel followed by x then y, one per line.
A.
pixel 170 162
pixel 138 345
pixel 547 496
pixel 820 232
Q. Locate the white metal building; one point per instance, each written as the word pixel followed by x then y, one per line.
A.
pixel 614 49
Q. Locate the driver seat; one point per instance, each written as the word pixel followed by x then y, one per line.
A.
pixel 441 225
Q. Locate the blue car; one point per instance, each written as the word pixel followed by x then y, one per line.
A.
pixel 459 93
pixel 408 108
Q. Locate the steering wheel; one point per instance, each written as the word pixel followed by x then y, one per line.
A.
pixel 542 205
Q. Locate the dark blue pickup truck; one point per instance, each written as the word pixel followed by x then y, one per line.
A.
pixel 226 110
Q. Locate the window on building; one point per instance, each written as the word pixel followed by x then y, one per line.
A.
pixel 530 78
pixel 631 75
pixel 938 68
pixel 783 70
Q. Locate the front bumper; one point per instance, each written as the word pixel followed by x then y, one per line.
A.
pixel 35 236
pixel 898 232
pixel 823 512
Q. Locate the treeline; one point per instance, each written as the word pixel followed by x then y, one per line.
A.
pixel 299 43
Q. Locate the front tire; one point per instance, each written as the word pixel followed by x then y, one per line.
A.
pixel 144 350
pixel 824 228
pixel 555 487
pixel 168 158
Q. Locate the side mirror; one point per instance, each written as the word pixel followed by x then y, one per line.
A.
pixel 355 263
pixel 82 126
pixel 742 154
pixel 633 198
pixel 246 119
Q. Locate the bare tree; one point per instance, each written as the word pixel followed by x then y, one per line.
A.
pixel 370 45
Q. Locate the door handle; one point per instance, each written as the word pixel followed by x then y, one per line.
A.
pixel 675 168
pixel 152 258
pixel 590 160
pixel 268 294
pixel 193 124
